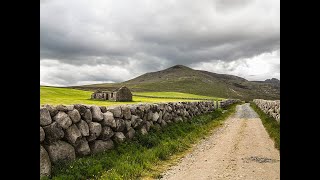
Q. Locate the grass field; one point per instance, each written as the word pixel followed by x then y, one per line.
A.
pixel 144 156
pixel 67 96
pixel 270 124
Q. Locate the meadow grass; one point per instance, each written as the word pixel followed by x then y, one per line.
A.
pixel 271 125
pixel 175 95
pixel 67 96
pixel 140 157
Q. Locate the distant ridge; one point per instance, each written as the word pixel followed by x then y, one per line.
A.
pixel 180 78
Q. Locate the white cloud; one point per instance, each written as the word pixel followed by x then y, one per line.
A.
pixel 55 73
pixel 261 67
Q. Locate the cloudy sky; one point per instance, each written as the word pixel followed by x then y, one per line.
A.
pixel 97 41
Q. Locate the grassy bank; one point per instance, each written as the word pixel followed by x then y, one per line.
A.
pixel 141 156
pixel 270 124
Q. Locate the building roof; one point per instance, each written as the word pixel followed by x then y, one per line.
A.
pixel 119 88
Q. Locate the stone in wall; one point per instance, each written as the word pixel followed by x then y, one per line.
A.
pixel 160 117
pixel 53 132
pixel 97 115
pixel 52 110
pixel 74 115
pixel 42 134
pixel 62 108
pixel 126 112
pixel 95 130
pixel 108 120
pixel 163 123
pixel 99 146
pixel 45 118
pixel 70 107
pixel 130 134
pixel 60 151
pixel 62 119
pixel 128 124
pixel 119 137
pixel 45 163
pixel 120 125
pixel 103 109
pixel 143 130
pixel 116 111
pixel 155 116
pixel 106 133
pixel 85 113
pixel 73 135
pixel 136 123
pixel 83 128
pixel 87 116
pixel 148 125
pixel 82 149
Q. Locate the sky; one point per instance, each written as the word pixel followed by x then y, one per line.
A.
pixel 102 41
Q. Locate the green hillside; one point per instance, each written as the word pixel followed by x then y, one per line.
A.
pixel 174 95
pixel 186 80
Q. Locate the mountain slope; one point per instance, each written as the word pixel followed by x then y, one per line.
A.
pixel 184 79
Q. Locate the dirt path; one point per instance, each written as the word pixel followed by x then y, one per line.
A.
pixel 241 149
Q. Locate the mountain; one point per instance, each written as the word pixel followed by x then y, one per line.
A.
pixel 180 78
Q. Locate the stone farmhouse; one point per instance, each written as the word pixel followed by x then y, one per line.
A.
pixel 121 94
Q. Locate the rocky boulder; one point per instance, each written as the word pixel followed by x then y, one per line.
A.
pixel 143 130
pixel 52 110
pixel 74 115
pixel 128 124
pixel 106 133
pixel 83 128
pixel 60 151
pixel 87 116
pixel 84 112
pixel 100 146
pixel 95 130
pixel 116 111
pixel 120 125
pixel 137 123
pixel 53 132
pixel 130 134
pixel 126 112
pixel 149 116
pixel 119 137
pixel 97 115
pixel 155 116
pixel 61 107
pixel 108 120
pixel 73 135
pixel 45 118
pixel 42 134
pixel 45 163
pixel 63 120
pixel 103 109
pixel 83 149
pixel 70 107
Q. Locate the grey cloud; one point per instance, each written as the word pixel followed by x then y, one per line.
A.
pixel 156 34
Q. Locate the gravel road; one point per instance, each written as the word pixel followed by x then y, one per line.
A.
pixel 240 149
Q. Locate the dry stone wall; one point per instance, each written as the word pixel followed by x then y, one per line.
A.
pixel 272 108
pixel 67 132
pixel 228 102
